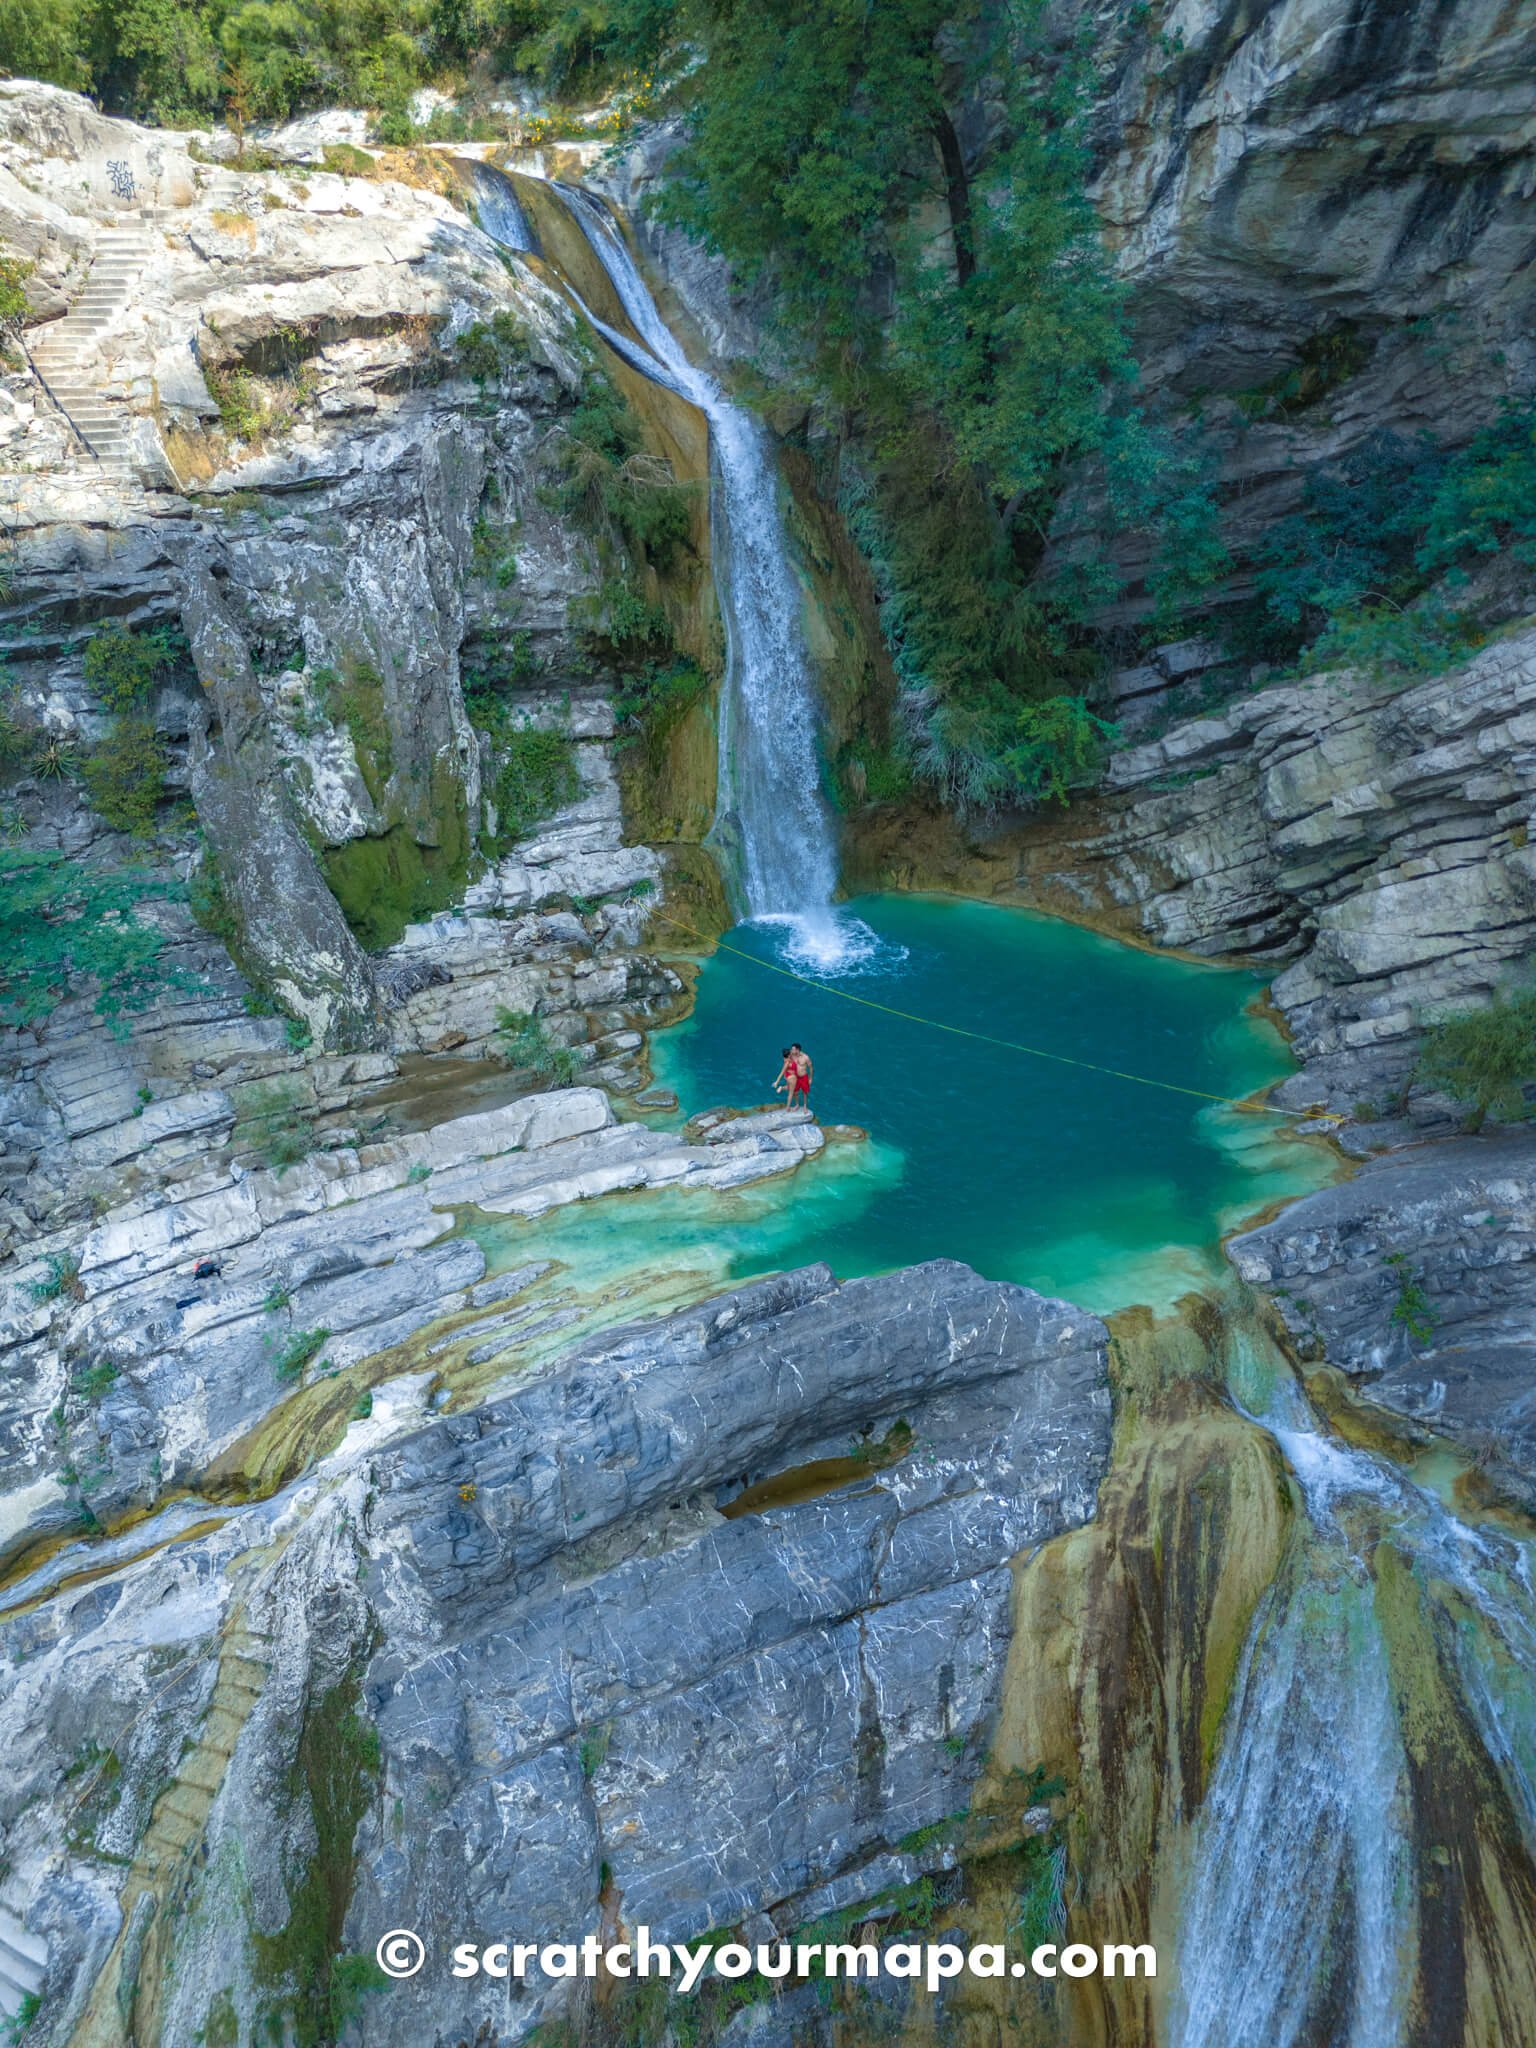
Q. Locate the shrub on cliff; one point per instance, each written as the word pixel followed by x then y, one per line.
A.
pixel 523 1040
pixel 65 928
pixel 123 667
pixel 1346 580
pixel 125 776
pixel 535 775
pixel 608 480
pixel 1486 1059
pixel 652 701
pixel 14 304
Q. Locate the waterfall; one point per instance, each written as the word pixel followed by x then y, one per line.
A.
pixel 772 823
pixel 496 206
pixel 1300 1919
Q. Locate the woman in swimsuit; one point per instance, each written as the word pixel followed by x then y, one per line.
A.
pixel 786 1076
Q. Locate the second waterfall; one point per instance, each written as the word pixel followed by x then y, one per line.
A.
pixel 772 824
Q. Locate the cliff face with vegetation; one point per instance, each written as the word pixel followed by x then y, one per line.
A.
pixel 362 1574
pixel 321 633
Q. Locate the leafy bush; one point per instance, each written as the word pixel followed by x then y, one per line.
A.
pixel 653 700
pixel 535 775
pixel 235 392
pixel 1486 499
pixel 274 1125
pixel 1485 1059
pixel 14 305
pixel 511 666
pixel 395 129
pixel 207 900
pixel 92 1381
pixel 300 1348
pixel 622 619
pixel 125 776
pixel 1413 1309
pixel 487 349
pixel 123 667
pixel 523 1040
pixel 1387 639
pixel 979 756
pixel 62 1277
pixel 64 925
pixel 608 481
pixel 1343 580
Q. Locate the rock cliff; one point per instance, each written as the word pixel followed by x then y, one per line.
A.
pixel 348 517
pixel 604 1644
pixel 1369 838
pixel 365 1572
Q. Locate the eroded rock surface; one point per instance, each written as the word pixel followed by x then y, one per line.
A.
pixel 1418 1278
pixel 136 1356
pixel 1369 839
pixel 585 1675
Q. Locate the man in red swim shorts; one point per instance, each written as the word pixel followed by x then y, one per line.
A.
pixel 799 1077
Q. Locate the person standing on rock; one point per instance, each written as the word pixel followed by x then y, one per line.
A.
pixel 799 1077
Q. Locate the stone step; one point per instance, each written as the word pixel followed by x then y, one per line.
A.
pixel 204 1770
pixel 59 351
pixel 189 1802
pixel 220 1731
pixel 23 1963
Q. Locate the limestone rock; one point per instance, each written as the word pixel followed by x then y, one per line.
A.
pixel 1367 837
pixel 1418 1278
pixel 572 1656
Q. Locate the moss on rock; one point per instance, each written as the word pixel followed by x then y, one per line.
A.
pixel 382 884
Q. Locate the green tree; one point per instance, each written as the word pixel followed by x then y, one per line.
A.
pixel 970 369
pixel 65 927
pixel 813 124
pixel 47 39
pixel 165 57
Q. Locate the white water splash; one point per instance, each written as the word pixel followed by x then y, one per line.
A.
pixel 772 824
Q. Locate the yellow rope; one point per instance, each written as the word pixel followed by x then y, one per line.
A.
pixel 982 1037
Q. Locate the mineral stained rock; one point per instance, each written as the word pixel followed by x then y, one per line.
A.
pixel 554 1674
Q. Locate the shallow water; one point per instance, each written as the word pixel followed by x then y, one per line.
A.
pixel 1071 1181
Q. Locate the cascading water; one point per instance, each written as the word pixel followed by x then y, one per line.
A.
pixel 772 821
pixel 1298 1923
pixel 496 206
pixel 1301 1916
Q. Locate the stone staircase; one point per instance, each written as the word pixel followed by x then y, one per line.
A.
pixel 61 352
pixel 23 1961
pixel 155 1887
